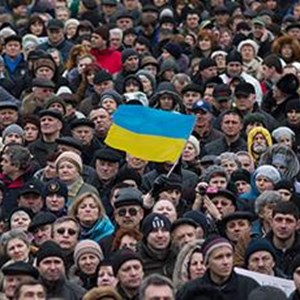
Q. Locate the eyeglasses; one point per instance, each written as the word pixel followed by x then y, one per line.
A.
pixel 70 231
pixel 123 211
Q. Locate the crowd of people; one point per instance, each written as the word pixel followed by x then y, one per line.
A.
pixel 80 220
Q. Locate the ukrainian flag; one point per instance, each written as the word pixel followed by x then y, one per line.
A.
pixel 148 133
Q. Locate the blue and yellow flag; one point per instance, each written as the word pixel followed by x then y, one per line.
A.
pixel 148 133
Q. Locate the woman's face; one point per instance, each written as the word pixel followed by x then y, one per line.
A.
pixel 88 263
pixel 147 87
pixel 286 140
pixel 55 202
pixel 293 117
pixel 167 208
pixel 31 132
pixel 83 63
pixel 88 211
pixel 87 45
pixel 197 267
pixel 128 242
pixel 20 220
pixel 286 51
pixel 71 30
pixel 190 40
pixel 263 184
pixel 247 53
pixel 131 87
pixel 17 250
pixel 166 102
pixel 106 277
pixel 44 72
pixel 50 170
pixel 225 39
pixel 205 44
pixel 229 165
pixel 36 28
pixel 67 172
pixel 189 152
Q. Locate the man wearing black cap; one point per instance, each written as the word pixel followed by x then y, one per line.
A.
pixel 42 88
pixel 245 103
pixel 130 64
pixel 191 93
pixel 106 58
pixel 222 98
pixel 84 130
pixel 234 68
pixel 15 274
pixel 207 70
pixel 51 123
pixel 15 63
pixel 9 113
pixel 107 165
pixel 56 39
pixel 155 249
pixel 103 81
pixel 128 268
pixel 50 262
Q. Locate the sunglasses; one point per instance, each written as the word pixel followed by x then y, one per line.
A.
pixel 123 211
pixel 70 231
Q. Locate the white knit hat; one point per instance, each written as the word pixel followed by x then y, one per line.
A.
pixel 72 157
pixel 195 144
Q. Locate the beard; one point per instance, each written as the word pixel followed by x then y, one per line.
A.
pixel 259 148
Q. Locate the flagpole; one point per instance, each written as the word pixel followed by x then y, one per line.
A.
pixel 173 167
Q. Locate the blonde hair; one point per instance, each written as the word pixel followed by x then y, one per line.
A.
pixel 73 210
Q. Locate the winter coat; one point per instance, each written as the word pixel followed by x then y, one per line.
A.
pixel 181 273
pixel 89 103
pixel 156 262
pixel 237 287
pixel 108 59
pixel 77 277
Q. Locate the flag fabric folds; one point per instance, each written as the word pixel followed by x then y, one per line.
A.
pixel 148 133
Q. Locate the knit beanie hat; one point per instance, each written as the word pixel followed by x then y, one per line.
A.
pixel 282 131
pixel 285 184
pixel 196 144
pixel 269 172
pixel 234 56
pixel 293 105
pixel 48 249
pixel 288 84
pixel 55 99
pixel 154 221
pixel 213 242
pixel 87 246
pixel 267 292
pixel 199 218
pixel 102 76
pixel 72 157
pixel 174 49
pixel 122 256
pixel 258 245
pixel 240 174
pixel 13 128
pixel 127 53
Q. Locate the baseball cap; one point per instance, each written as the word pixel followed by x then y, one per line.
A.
pixel 222 92
pixel 201 105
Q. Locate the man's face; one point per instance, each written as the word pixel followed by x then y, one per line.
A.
pixel 261 262
pixel 97 41
pixel 154 292
pixel 32 201
pixel 231 125
pixel 220 262
pixel 258 31
pixel 284 226
pixel 131 274
pixel 84 134
pixel 66 235
pixel 55 35
pixel 124 23
pixel 50 125
pixel 106 170
pixel 173 195
pixel 42 234
pixel 245 103
pixel 235 228
pixel 293 117
pixel 192 21
pixel 11 282
pixel 259 144
pixel 209 73
pixel 7 167
pixel 132 63
pixel 189 98
pixel 234 69
pixel 223 205
pixel 159 238
pixel 52 268
pixel 13 49
pixel 8 116
pixel 42 93
pixel 129 216
pixel 13 138
pixel 32 292
pixel 203 118
pixel 183 235
pixel 102 120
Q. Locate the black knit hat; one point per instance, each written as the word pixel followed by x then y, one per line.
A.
pixel 286 185
pixel 293 105
pixel 122 256
pixel 174 49
pixel 234 56
pixel 241 174
pixel 206 63
pixel 288 84
pixel 127 53
pixel 102 76
pixel 259 245
pixel 154 221
pixel 56 187
pixel 48 249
